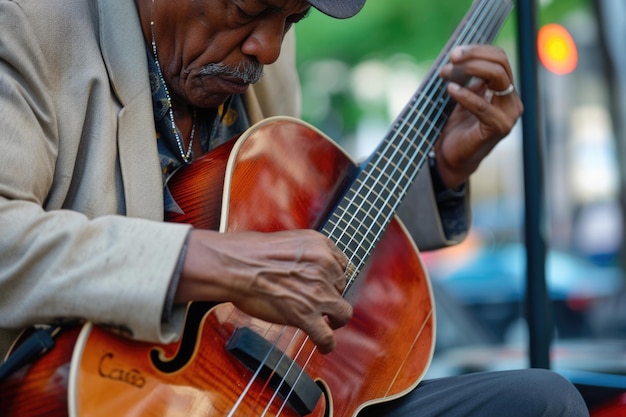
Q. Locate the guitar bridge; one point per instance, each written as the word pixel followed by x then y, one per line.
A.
pixel 286 376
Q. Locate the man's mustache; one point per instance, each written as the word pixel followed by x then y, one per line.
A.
pixel 250 71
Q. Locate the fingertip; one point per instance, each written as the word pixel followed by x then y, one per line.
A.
pixel 446 69
pixel 326 348
pixel 325 343
pixel 457 52
pixel 343 313
pixel 453 87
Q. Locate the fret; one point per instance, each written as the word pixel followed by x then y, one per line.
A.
pixel 367 211
pixel 353 249
pixel 378 170
pixel 427 118
pixel 376 187
pixel 375 201
pixel 421 132
pixel 392 167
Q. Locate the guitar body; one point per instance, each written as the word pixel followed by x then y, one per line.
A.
pixel 40 389
pixel 281 174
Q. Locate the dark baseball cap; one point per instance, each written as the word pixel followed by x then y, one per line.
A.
pixel 341 9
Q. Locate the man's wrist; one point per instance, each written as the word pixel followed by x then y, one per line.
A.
pixel 442 192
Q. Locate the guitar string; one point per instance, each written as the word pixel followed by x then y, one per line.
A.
pixel 400 128
pixel 486 18
pixel 257 373
pixel 381 154
pixel 424 148
pixel 296 379
pixel 413 123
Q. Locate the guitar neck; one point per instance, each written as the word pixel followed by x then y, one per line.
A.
pixel 361 216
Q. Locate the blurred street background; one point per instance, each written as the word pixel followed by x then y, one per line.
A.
pixel 358 74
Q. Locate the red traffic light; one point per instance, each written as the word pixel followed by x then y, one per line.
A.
pixel 556 49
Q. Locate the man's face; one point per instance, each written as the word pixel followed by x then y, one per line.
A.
pixel 211 49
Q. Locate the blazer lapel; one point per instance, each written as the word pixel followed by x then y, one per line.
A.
pixel 123 51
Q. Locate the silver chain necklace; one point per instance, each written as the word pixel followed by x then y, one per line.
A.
pixel 186 156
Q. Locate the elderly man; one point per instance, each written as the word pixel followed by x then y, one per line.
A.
pixel 100 101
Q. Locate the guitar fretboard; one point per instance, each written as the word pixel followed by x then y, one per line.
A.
pixel 363 213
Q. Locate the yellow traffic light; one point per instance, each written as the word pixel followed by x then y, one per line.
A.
pixel 556 49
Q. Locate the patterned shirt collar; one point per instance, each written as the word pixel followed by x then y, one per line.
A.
pixel 213 127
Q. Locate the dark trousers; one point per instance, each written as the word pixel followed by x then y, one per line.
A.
pixel 523 393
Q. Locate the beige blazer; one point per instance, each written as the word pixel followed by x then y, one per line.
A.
pixel 81 204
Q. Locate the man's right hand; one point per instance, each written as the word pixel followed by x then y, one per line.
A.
pixel 293 277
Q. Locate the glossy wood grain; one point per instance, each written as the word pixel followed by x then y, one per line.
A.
pixel 40 389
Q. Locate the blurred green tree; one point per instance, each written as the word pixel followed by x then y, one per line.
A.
pixel 384 29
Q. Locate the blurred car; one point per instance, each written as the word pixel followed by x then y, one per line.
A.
pixel 596 366
pixel 490 282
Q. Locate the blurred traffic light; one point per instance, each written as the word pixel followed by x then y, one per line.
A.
pixel 556 49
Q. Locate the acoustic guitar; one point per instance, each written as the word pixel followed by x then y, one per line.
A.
pixel 280 174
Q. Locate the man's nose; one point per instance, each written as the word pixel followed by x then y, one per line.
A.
pixel 265 41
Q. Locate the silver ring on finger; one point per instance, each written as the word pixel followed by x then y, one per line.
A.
pixel 505 92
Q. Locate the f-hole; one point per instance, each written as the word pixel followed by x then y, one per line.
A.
pixel 195 313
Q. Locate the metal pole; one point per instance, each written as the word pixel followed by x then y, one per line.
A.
pixel 537 301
